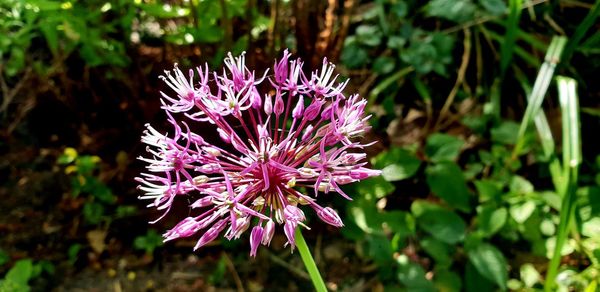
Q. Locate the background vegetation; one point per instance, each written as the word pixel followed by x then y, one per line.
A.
pixel 486 113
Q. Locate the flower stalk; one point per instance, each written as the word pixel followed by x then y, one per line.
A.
pixel 309 262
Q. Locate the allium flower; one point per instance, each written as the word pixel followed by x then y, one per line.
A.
pixel 277 137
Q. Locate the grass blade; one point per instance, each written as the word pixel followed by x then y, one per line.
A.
pixel 520 52
pixel 542 82
pixel 567 90
pixel 510 37
pixel 387 82
pixel 545 134
pixel 582 29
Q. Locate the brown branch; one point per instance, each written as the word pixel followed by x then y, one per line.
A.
pixel 325 36
pixel 338 44
pixel 236 276
pixel 228 38
pixel 459 79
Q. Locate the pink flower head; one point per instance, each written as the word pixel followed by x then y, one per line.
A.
pixel 275 137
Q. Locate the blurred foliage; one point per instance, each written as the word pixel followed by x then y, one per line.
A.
pixel 490 180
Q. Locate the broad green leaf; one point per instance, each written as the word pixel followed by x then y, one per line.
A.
pixel 474 281
pixel 365 216
pixel 520 185
pixel 380 250
pixel 441 252
pixel 373 188
pixel 412 276
pixel 369 35
pixel 447 281
pixel 397 164
pixel 454 10
pixel 400 222
pixel 491 219
pixel 93 212
pixel 494 7
pixel 591 228
pixel 441 223
pixel 521 212
pixel 489 262
pixel 447 182
pixel 529 275
pixel 443 147
pixel 384 64
pixel 21 272
pixel 354 56
pixel 505 133
pixel 487 189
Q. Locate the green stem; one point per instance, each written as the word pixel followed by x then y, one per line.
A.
pixel 309 262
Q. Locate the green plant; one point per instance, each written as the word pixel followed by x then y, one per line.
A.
pixel 82 171
pixel 22 272
pixel 148 242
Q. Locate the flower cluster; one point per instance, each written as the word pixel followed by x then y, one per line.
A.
pixel 277 134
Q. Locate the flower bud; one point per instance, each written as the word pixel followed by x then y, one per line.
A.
pixel 268 233
pixel 299 109
pixel 268 105
pixel 330 216
pixel 255 237
pixel 202 202
pixel 278 107
pixel 211 234
pixel 312 111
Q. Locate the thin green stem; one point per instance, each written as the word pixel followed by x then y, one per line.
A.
pixel 309 262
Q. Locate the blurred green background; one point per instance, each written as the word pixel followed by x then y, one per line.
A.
pixel 486 113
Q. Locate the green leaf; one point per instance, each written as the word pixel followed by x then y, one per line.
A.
pixel 491 219
pixel 21 272
pixel 489 262
pixel 529 275
pixel 50 32
pixel 93 212
pixel 441 252
pixel 87 164
pixel 73 253
pixel 400 222
pixel 443 147
pixel 380 250
pixel 447 281
pixel 148 242
pixel 487 190
pixel 373 188
pixel 474 281
pixel 397 164
pixel 521 212
pixel 505 133
pixel 369 35
pixel 69 155
pixel 4 257
pixel 412 276
pixel 164 11
pixel 354 56
pixel 454 10
pixel 384 64
pixel 104 194
pixel 447 182
pixel 494 7
pixel 441 223
pixel 219 271
pixel 365 216
pixel 591 228
pixel 521 186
